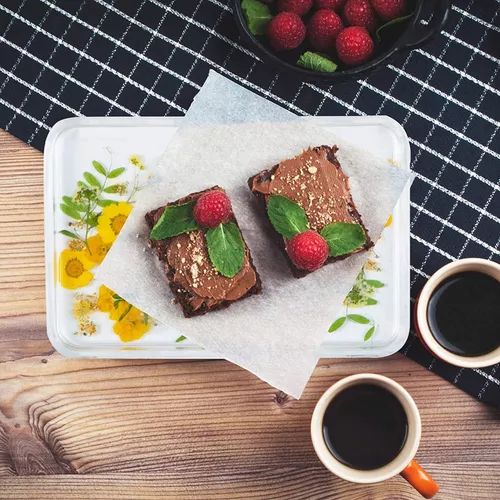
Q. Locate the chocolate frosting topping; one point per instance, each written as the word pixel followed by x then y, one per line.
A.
pixel 315 181
pixel 187 255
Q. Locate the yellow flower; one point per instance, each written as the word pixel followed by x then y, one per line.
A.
pixel 136 161
pixel 131 323
pixel 97 248
pixel 112 219
pixel 121 308
pixel 132 326
pixel 74 269
pixel 105 299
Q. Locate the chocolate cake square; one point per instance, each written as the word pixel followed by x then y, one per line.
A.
pixel 196 284
pixel 315 181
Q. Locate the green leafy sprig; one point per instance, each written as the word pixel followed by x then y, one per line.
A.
pixel 359 296
pixel 289 219
pixel 225 245
pixel 84 207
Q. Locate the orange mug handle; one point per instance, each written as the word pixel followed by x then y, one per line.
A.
pixel 420 480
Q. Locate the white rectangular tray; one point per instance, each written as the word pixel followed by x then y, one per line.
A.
pixel 74 143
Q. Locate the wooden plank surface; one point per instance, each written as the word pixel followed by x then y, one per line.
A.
pixel 80 429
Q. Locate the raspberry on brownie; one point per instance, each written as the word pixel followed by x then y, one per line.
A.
pixel 316 192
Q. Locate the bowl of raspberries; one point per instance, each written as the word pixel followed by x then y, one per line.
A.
pixel 336 40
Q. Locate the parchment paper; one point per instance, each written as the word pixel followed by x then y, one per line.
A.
pixel 228 135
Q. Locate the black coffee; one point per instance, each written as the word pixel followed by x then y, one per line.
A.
pixel 464 314
pixel 365 427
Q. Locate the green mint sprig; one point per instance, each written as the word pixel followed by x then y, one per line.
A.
pixel 289 219
pixel 343 238
pixel 175 220
pixel 257 15
pixel 316 62
pixel 286 216
pixel 226 248
pixel 225 245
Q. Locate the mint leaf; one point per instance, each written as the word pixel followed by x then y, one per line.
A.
pixel 70 212
pixel 91 179
pixel 357 318
pixel 316 62
pixel 226 248
pixel 343 238
pixel 337 324
pixel 375 283
pixel 99 167
pixel 371 302
pixel 369 333
pixel 286 216
pixel 175 220
pixel 116 172
pixel 257 15
pixel 398 20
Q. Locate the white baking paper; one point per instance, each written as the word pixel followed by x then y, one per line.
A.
pixel 228 135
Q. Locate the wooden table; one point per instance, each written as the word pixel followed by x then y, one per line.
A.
pixel 80 429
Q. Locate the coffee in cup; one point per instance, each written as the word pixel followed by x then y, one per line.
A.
pixel 457 314
pixel 366 429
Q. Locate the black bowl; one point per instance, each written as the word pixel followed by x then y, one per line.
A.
pixel 409 35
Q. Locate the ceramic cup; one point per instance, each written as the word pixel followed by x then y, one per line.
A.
pixel 403 464
pixel 420 317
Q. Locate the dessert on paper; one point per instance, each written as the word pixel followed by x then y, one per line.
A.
pixel 227 136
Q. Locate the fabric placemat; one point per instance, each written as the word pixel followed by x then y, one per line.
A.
pixel 60 58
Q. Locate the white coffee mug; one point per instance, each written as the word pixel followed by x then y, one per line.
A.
pixel 422 325
pixel 403 464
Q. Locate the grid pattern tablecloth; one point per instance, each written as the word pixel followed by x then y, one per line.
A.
pixel 60 58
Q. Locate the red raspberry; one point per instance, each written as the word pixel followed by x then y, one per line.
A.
pixel 329 4
pixel 322 30
pixel 286 31
pixel 308 250
pixel 389 9
pixel 212 208
pixel 360 13
pixel 299 7
pixel 354 45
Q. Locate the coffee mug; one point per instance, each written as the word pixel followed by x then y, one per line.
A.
pixel 420 317
pixel 404 463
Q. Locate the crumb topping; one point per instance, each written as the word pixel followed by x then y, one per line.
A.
pixel 317 185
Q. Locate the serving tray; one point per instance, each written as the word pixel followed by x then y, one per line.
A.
pixel 373 323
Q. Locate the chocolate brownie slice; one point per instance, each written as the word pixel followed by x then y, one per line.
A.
pixel 315 181
pixel 196 284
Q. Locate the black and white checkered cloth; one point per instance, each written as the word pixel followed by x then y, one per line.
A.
pixel 60 58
